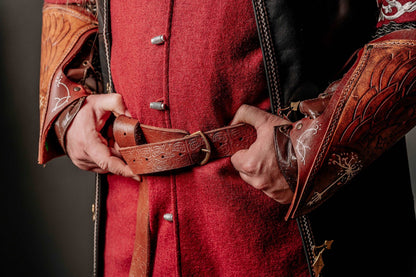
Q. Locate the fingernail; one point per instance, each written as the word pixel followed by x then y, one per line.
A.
pixel 138 178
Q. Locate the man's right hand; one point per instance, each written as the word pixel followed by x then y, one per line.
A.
pixel 85 145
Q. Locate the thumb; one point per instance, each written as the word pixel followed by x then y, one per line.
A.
pixel 256 117
pixel 113 103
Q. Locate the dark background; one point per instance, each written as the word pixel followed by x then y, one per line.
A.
pixel 46 222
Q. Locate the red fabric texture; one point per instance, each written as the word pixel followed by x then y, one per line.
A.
pixel 398 11
pixel 209 65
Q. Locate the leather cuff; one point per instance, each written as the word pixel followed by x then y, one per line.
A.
pixel 67 49
pixel 285 155
pixel 65 119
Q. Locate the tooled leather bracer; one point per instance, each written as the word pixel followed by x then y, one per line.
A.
pixel 66 33
pixel 369 110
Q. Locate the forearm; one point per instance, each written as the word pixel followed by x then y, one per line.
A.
pixel 355 121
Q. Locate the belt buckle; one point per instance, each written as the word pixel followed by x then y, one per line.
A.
pixel 207 148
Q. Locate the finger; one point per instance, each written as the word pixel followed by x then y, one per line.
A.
pixel 99 170
pixel 281 196
pixel 115 152
pixel 95 168
pixel 116 146
pixel 250 115
pixel 256 117
pixel 244 162
pixel 116 166
pixel 101 155
pixel 138 178
pixel 238 161
pixel 87 165
pixel 114 103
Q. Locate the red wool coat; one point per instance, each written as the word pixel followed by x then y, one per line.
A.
pixel 209 64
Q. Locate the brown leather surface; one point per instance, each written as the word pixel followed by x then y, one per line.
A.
pixel 313 108
pixel 65 29
pixel 140 261
pixel 125 131
pixel 169 149
pixel 129 132
pixel 373 107
pixel 285 155
pixel 64 120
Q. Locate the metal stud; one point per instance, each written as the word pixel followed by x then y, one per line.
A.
pixel 158 40
pixel 160 106
pixel 168 217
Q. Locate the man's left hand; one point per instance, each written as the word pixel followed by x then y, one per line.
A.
pixel 258 165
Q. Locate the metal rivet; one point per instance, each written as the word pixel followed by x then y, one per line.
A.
pixel 77 88
pixel 158 40
pixel 160 106
pixel 299 126
pixel 168 217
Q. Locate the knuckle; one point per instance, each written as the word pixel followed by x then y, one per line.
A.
pixel 118 172
pixel 243 109
pixel 260 185
pixel 76 157
pixel 116 98
pixel 103 164
pixel 250 166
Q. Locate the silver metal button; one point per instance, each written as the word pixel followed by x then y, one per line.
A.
pixel 160 106
pixel 158 40
pixel 168 217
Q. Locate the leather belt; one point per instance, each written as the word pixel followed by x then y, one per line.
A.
pixel 148 149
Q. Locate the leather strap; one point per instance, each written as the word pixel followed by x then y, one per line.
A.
pixel 148 149
pixel 140 260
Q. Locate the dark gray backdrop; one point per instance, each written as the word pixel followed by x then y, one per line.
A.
pixel 46 226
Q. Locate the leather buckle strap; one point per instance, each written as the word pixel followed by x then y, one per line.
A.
pixel 148 149
pixel 206 150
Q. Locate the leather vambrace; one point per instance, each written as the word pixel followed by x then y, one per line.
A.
pixel 67 74
pixel 350 125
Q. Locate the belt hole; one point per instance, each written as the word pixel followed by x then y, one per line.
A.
pixel 180 154
pixel 163 156
pixel 146 159
pixel 240 139
pixel 125 134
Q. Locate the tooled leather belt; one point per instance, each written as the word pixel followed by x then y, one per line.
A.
pixel 148 149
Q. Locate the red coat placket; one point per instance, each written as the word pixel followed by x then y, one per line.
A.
pixel 209 64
